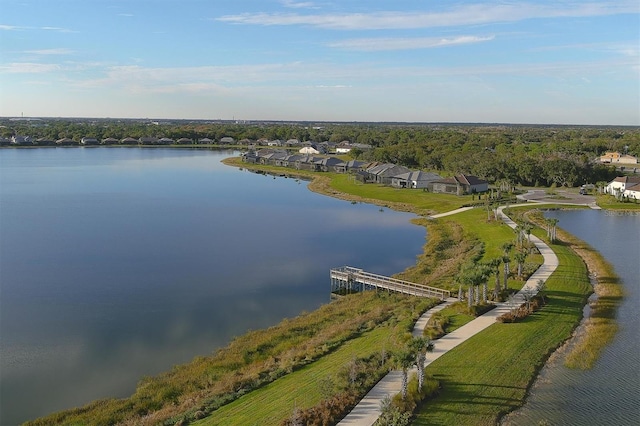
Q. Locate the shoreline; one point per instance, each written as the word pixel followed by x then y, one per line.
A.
pixel 324 189
pixel 592 259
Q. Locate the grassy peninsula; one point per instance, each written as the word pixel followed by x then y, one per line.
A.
pixel 265 376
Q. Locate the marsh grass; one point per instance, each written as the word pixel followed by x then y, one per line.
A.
pixel 601 325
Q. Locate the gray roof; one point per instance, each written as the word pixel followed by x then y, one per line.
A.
pixel 329 162
pixel 419 176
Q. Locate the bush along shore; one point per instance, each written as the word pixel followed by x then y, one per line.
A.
pixel 312 369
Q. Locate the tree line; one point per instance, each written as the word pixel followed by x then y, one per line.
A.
pixel 522 155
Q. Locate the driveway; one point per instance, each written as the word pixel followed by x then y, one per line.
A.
pixel 560 197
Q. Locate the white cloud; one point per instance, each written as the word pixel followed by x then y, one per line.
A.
pixel 473 14
pixel 380 44
pixel 10 28
pixel 57 29
pixel 298 4
pixel 29 68
pixel 58 51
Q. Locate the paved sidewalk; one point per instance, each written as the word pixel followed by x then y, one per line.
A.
pixel 456 211
pixel 368 410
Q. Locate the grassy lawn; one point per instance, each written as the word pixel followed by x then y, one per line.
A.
pixel 344 186
pixel 493 233
pixel 275 402
pixel 422 201
pixel 609 202
pixel 488 375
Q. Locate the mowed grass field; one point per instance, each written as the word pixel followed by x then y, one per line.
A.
pixel 423 202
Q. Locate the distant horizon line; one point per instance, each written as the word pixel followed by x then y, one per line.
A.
pixel 249 121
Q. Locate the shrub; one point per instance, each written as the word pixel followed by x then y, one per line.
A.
pixel 523 310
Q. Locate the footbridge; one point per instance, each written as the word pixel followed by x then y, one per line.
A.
pixel 351 279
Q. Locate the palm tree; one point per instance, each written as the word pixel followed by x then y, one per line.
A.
pixel 404 360
pixel 494 266
pixel 553 222
pixel 520 256
pixel 420 346
pixel 506 249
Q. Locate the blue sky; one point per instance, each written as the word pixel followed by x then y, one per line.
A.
pixel 538 61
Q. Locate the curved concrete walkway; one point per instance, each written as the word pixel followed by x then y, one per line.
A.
pixel 368 409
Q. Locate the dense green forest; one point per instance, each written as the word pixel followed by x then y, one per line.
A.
pixel 520 154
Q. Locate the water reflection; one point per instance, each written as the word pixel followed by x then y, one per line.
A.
pixel 119 263
pixel 610 392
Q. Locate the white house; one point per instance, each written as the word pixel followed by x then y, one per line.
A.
pixel 621 183
pixel 633 191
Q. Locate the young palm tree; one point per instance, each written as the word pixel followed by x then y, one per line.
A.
pixel 520 257
pixel 404 361
pixel 420 346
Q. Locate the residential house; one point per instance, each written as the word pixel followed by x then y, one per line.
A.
pixel 227 140
pixel 632 191
pixel 309 150
pixel 109 141
pixel 165 141
pixel 129 141
pixel 21 140
pixel 307 162
pixel 384 173
pixel 184 141
pixel 4 141
pixel 343 147
pixel 89 141
pixel 620 184
pixel 618 159
pixel 461 184
pixel 415 180
pixel 327 164
pixel 350 166
pixel 290 160
pixel 205 141
pixel 45 142
pixel 148 140
pixel 249 157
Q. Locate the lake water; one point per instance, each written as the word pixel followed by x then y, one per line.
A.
pixel 117 263
pixel 608 394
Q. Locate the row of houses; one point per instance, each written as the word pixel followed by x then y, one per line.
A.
pixel 87 141
pixel 310 147
pixel 625 186
pixel 370 172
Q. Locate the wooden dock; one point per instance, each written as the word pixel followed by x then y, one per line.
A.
pixel 349 279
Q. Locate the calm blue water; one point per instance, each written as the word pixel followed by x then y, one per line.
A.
pixel 609 394
pixel 117 263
